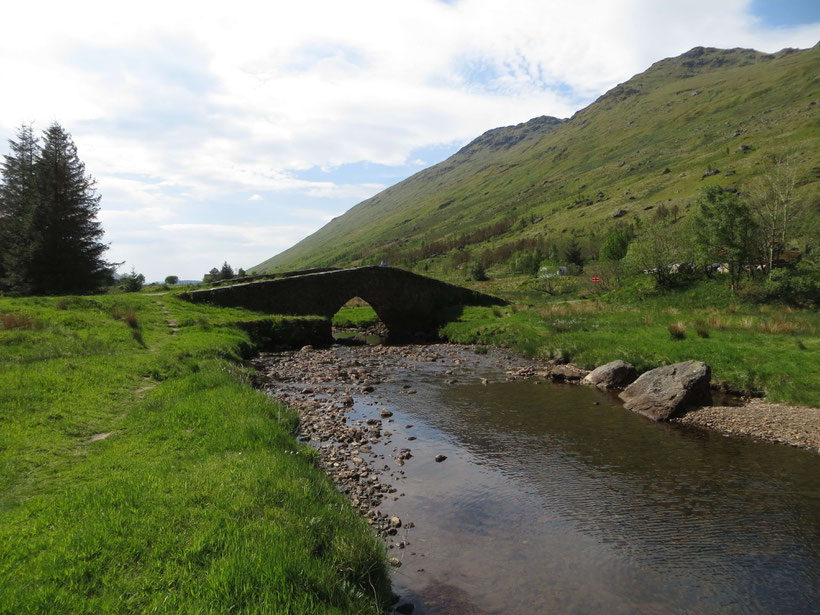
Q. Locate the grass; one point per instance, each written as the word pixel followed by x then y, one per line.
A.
pixel 750 348
pixel 677 330
pixel 355 317
pixel 149 476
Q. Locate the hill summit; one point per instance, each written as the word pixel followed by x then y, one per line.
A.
pixel 708 116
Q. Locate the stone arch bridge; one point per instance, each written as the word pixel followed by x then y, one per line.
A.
pixel 411 306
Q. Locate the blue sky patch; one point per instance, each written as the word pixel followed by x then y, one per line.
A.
pixel 786 12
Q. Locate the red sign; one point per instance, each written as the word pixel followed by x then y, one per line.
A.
pixel 596 279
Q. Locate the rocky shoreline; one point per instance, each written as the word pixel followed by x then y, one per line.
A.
pixel 797 426
pixel 346 396
pixel 320 384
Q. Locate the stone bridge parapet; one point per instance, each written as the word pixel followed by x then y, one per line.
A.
pixel 411 306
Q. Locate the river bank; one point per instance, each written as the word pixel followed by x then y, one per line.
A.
pixel 497 489
pixel 797 426
pixel 140 471
pixel 753 417
pixel 320 385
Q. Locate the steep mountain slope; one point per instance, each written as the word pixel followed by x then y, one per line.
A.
pixel 707 116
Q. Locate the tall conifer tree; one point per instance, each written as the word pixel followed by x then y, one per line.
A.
pixel 59 248
pixel 18 199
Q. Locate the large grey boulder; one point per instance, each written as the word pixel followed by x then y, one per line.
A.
pixel 616 374
pixel 567 373
pixel 665 391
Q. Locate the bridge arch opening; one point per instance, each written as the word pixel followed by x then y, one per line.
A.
pixel 356 322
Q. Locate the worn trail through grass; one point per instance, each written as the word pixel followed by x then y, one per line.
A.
pixel 140 471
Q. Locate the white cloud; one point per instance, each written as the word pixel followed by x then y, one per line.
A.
pixel 173 104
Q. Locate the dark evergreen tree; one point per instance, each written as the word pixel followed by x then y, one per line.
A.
pixel 132 282
pixel 226 273
pixel 572 253
pixel 66 253
pixel 18 199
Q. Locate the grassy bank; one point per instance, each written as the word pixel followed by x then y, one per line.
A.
pixel 140 472
pixel 751 348
pixel 355 316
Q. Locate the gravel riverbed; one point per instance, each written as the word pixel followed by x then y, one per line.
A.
pixel 321 384
pixel 780 423
pixel 349 397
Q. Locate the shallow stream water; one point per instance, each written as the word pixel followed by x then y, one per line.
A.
pixel 554 499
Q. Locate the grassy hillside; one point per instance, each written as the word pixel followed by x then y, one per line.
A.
pixel 141 473
pixel 645 143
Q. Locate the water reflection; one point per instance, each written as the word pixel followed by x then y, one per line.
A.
pixel 555 499
pixel 357 338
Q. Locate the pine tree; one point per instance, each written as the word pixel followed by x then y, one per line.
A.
pixel 64 235
pixel 572 253
pixel 226 273
pixel 18 198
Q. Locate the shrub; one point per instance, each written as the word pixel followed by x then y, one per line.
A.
pixel 526 261
pixel 556 285
pixel 615 245
pixel 478 273
pixel 798 286
pixel 480 350
pixel 702 329
pixel 12 320
pixel 130 319
pixel 132 282
pixel 677 330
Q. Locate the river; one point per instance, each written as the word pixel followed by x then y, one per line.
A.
pixel 554 499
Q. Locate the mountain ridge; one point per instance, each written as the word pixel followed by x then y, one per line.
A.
pixel 645 142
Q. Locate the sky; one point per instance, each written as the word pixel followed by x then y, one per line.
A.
pixel 230 133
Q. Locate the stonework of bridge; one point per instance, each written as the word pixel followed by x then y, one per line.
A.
pixel 411 306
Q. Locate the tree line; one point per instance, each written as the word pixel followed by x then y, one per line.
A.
pixel 743 235
pixel 50 239
pixel 225 272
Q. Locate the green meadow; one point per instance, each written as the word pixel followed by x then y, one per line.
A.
pixel 141 472
pixel 752 348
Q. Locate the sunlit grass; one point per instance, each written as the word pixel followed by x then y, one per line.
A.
pixel 750 348
pixel 355 317
pixel 152 477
